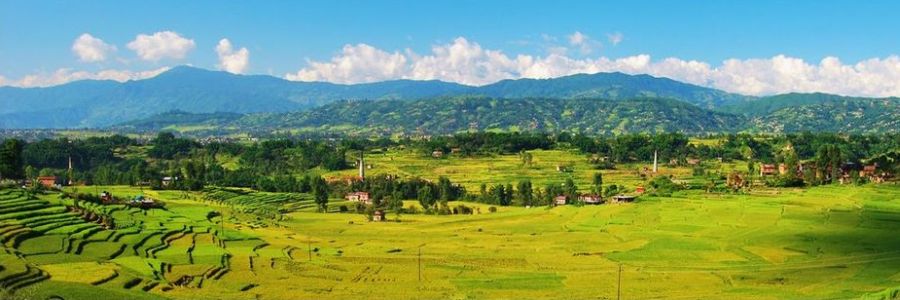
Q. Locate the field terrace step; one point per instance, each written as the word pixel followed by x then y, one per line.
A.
pixel 19 203
pixel 22 207
pixel 30 275
pixel 32 213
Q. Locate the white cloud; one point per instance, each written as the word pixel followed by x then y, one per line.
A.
pixel 163 44
pixel 577 38
pixel 65 75
pixel 356 63
pixel 466 62
pixel 584 43
pixel 91 49
pixel 615 38
pixel 230 60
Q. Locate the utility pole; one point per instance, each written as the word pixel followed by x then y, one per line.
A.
pixel 619 288
pixel 420 264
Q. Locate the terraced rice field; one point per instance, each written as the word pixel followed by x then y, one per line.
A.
pixel 830 242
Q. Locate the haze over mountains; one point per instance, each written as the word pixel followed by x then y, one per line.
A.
pixel 594 103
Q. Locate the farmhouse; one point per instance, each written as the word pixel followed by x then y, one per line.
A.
pixel 106 197
pixel 166 181
pixel 559 200
pixel 590 199
pixel 693 161
pixel 766 169
pixel 868 170
pixel 378 216
pixel 48 181
pixel 622 198
pixel 640 190
pixel 437 153
pixel 362 197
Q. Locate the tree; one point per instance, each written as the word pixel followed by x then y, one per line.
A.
pixel 320 193
pixel 395 203
pixel 598 182
pixel 11 159
pixel 483 192
pixel 571 190
pixel 526 158
pixel 426 197
pixel 525 192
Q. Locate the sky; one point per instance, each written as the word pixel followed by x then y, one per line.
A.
pixel 748 47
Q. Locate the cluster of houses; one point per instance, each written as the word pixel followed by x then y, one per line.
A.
pixel 867 171
pixel 437 153
pixel 592 199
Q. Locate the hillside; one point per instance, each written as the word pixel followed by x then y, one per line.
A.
pixel 178 118
pixel 102 103
pixel 611 86
pixel 435 106
pixel 846 116
pixel 447 115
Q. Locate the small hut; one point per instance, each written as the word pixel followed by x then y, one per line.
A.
pixel 378 216
pixel 590 199
pixel 560 200
pixel 623 198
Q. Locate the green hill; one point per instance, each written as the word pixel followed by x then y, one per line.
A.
pixel 447 115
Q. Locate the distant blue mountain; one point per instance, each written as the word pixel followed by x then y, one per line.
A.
pixel 92 103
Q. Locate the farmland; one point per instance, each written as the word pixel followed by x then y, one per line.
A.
pixel 823 242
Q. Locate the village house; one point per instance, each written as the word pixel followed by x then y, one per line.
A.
pixel 106 197
pixel 622 198
pixel 362 197
pixel 640 190
pixel 455 150
pixel 868 170
pixel 437 153
pixel 166 181
pixel 767 169
pixel 560 200
pixel 48 181
pixel 590 199
pixel 693 161
pixel 378 216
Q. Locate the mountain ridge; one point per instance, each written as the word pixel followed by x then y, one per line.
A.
pixel 190 90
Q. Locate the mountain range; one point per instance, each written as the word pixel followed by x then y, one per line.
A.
pixel 593 103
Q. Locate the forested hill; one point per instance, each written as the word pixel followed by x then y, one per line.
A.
pixel 598 103
pixel 616 86
pixel 591 116
pixel 92 103
pixel 448 115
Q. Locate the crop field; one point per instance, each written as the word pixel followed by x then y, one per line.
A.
pixel 471 172
pixel 823 242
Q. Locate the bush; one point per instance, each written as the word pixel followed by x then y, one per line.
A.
pixel 663 185
pixel 785 181
pixel 492 209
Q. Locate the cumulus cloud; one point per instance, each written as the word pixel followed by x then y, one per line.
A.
pixel 466 62
pixel 356 63
pixel 615 38
pixel 91 49
pixel 163 44
pixel 231 60
pixel 583 42
pixel 65 75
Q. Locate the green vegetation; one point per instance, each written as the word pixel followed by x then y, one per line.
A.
pixel 765 244
pixel 269 219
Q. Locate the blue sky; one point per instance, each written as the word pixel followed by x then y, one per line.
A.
pixel 284 38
